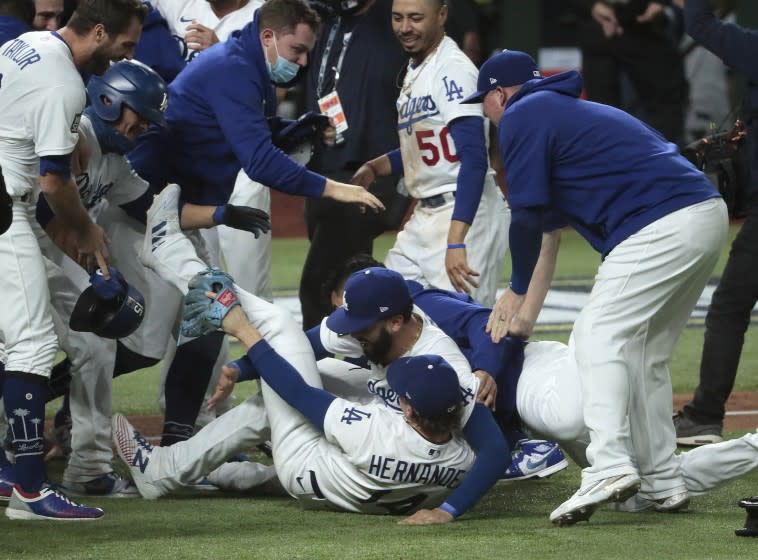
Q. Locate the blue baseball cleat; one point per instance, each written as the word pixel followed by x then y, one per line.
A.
pixel 48 504
pixel 535 458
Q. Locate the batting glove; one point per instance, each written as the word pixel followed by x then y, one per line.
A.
pixel 245 218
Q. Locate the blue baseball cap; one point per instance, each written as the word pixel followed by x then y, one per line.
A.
pixel 505 69
pixel 428 382
pixel 370 295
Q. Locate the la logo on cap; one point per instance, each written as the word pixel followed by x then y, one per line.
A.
pixel 493 80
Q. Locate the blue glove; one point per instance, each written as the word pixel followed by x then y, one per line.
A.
pixel 108 289
pixel 202 315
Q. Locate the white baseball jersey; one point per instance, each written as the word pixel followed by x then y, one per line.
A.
pixel 180 13
pixel 378 464
pixel 102 172
pixel 430 100
pixel 41 101
pixel 431 341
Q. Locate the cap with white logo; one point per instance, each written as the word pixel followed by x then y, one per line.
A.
pixel 505 69
pixel 370 295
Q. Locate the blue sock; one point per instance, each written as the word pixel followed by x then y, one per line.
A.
pixel 186 382
pixel 24 396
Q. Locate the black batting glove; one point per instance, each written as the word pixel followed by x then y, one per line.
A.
pixel 245 218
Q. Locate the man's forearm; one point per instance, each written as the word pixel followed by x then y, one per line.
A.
pixel 541 277
pixel 194 216
pixel 63 198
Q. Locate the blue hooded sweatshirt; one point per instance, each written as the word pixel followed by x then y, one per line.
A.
pixel 157 47
pixel 10 28
pixel 605 172
pixel 217 108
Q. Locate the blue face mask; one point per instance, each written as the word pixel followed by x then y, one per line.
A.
pixel 283 71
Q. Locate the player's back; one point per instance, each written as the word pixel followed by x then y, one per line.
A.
pixel 373 462
pixel 39 87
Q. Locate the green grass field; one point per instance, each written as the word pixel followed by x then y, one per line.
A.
pixel 511 522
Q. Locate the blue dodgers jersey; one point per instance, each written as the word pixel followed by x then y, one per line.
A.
pixel 605 171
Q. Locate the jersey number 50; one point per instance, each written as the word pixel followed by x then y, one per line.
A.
pixel 430 146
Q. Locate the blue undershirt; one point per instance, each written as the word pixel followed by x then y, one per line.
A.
pixel 471 149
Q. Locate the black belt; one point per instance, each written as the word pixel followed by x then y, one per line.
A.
pixel 437 200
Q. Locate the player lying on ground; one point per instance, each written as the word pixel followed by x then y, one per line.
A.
pixel 540 381
pixel 418 460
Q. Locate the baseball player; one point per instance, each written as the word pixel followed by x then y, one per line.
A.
pixel 443 158
pixel 207 139
pixel 41 101
pixel 350 467
pixel 125 100
pixel 659 226
pixel 463 320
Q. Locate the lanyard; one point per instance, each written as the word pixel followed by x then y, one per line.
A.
pixel 325 57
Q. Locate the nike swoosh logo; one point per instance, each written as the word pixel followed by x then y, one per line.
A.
pixel 299 481
pixel 534 464
pixel 185 20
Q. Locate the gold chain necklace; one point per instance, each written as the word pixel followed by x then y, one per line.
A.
pixel 407 85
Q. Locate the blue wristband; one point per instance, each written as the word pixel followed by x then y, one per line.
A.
pixel 456 245
pixel 449 509
pixel 219 214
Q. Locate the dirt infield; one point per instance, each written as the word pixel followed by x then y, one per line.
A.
pixel 745 403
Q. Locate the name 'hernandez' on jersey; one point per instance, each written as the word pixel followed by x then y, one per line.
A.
pixel 377 464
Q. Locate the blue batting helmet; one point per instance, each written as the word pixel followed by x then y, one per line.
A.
pixel 115 318
pixel 129 83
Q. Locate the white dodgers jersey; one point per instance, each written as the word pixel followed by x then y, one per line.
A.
pixel 105 176
pixel 429 101
pixel 180 13
pixel 41 101
pixel 431 341
pixel 378 464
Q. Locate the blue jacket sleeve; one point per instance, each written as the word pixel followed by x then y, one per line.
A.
pixel 470 144
pixel 284 379
pixel 492 457
pixel 737 46
pixel 525 236
pixel 246 129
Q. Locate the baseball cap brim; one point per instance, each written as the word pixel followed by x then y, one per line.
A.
pixel 339 322
pixel 477 97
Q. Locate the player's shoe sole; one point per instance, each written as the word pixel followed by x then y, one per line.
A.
pixel 585 501
pixel 138 455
